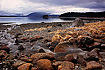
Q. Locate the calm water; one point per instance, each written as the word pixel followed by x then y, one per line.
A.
pixel 21 20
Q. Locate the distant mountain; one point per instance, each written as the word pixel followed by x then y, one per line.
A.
pixel 37 14
pixel 7 14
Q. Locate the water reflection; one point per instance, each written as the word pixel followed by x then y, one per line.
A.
pixel 28 19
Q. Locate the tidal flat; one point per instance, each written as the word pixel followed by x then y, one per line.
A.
pixel 52 46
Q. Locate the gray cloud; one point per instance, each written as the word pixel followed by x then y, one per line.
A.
pixel 93 4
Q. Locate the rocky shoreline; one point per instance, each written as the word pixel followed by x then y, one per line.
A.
pixel 52 46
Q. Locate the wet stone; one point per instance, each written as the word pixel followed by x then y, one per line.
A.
pixel 25 66
pixel 38 56
pixel 71 57
pixel 66 64
pixel 56 64
pixel 93 65
pixel 77 23
pixel 44 64
pixel 61 47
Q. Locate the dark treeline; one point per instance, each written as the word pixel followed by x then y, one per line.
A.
pixel 86 14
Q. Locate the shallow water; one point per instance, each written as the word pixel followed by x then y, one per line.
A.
pixel 20 20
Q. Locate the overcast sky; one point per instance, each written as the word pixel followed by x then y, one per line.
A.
pixel 51 6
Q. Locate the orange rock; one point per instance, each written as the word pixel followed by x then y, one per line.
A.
pixel 102 29
pixel 38 56
pixel 67 37
pixel 44 64
pixel 23 38
pixel 66 64
pixel 71 57
pixel 34 68
pixel 61 47
pixel 25 66
pixel 93 65
pixel 56 38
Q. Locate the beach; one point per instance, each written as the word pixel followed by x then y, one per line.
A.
pixel 52 46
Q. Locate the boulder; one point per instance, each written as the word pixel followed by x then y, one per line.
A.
pixel 71 57
pixel 61 47
pixel 34 68
pixel 56 64
pixel 56 38
pixel 93 65
pixel 25 66
pixel 66 64
pixel 4 47
pixel 73 40
pixel 38 56
pixel 77 23
pixel 44 64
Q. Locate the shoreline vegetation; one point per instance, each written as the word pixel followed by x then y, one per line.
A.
pixel 53 46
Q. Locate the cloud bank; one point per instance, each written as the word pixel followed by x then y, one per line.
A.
pixel 51 6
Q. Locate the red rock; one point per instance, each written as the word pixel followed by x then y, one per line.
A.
pixel 56 64
pixel 44 64
pixel 56 38
pixel 71 57
pixel 38 37
pixel 73 40
pixel 34 68
pixel 81 60
pixel 25 66
pixel 93 65
pixel 67 37
pixel 61 47
pixel 23 38
pixel 66 64
pixel 67 68
pixel 38 56
pixel 4 47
